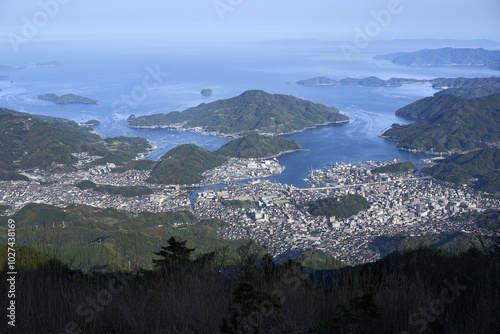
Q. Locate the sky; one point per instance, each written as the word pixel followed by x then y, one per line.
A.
pixel 241 20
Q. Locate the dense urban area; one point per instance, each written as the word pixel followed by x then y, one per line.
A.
pixel 269 212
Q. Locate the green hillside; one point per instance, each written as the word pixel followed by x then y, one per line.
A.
pixel 257 146
pixel 467 87
pixel 469 125
pixel 483 165
pixel 88 236
pixel 253 110
pixel 319 260
pixel 432 107
pixel 184 164
pixel 29 141
pixel 451 242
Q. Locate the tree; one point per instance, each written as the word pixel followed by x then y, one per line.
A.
pixel 175 253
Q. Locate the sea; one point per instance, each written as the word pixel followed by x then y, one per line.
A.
pixel 146 79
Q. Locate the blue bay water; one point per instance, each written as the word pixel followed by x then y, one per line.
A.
pixel 112 77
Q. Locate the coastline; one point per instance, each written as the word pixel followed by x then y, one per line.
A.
pixel 228 135
pixel 456 151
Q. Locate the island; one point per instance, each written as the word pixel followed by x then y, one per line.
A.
pixel 131 118
pixel 318 81
pixel 206 92
pixel 369 81
pixel 67 98
pixel 462 87
pixel 10 68
pixel 252 111
pixel 446 57
pixel 48 64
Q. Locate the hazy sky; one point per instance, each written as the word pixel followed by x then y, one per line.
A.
pixel 249 19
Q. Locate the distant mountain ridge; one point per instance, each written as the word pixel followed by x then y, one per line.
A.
pixel 462 87
pixel 369 81
pixel 446 57
pixel 252 111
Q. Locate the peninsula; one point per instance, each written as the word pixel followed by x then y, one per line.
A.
pixel 252 111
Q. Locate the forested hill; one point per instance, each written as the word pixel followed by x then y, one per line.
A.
pixel 30 141
pixel 467 87
pixel 257 146
pixel 457 93
pixel 453 125
pixel 253 110
pixel 483 165
pixel 432 107
pixel 184 164
pixel 447 57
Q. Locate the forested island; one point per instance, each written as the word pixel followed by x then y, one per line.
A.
pixel 446 57
pixel 254 110
pixel 206 92
pixel 67 98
